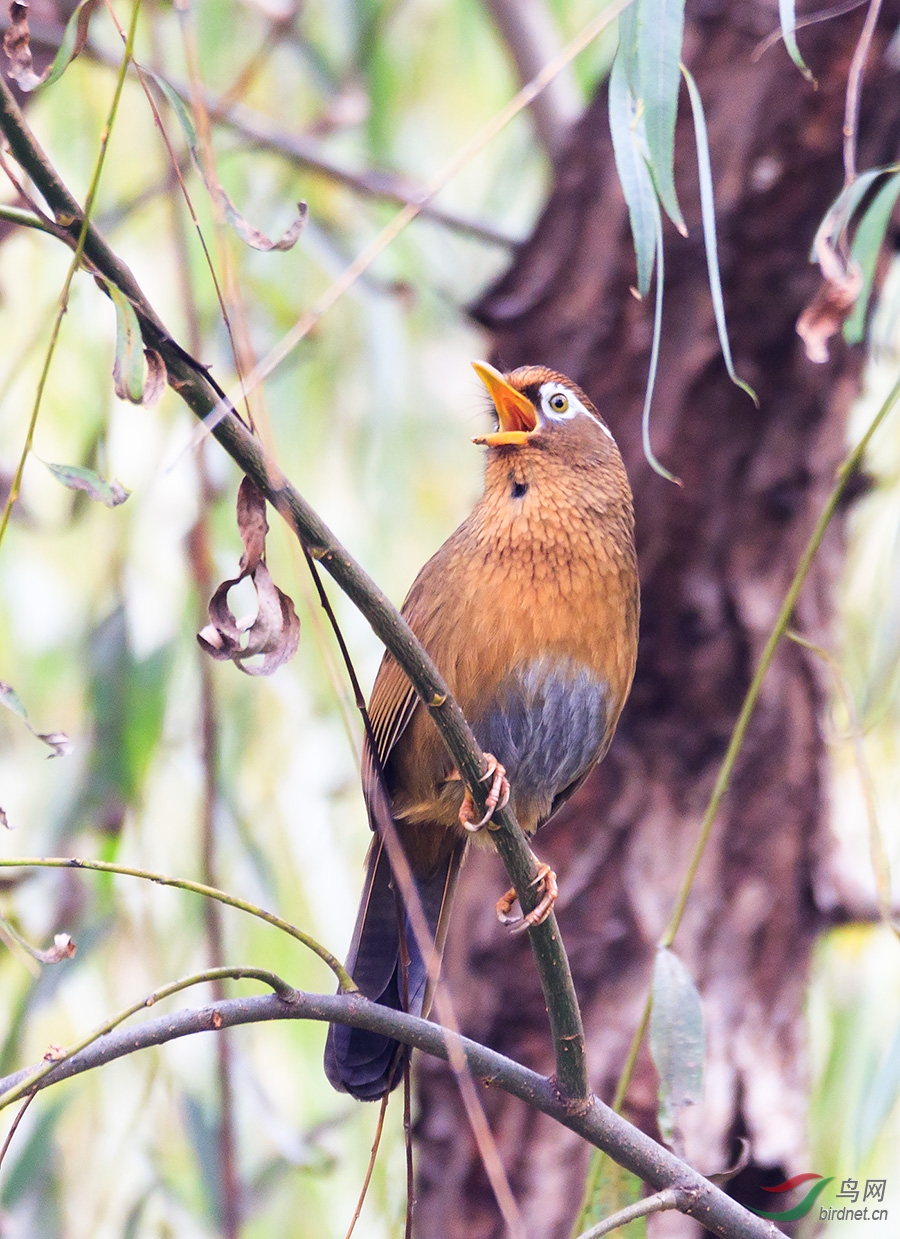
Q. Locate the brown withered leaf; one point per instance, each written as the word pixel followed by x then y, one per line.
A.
pixel 17 45
pixel 842 277
pixel 63 948
pixel 155 379
pixel 275 631
pixel 826 313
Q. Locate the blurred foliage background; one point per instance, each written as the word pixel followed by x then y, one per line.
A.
pixel 371 417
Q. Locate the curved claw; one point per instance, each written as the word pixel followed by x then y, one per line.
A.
pixel 546 879
pixel 497 797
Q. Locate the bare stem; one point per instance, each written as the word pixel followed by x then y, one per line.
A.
pixel 854 90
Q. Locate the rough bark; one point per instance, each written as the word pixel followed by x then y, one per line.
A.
pixel 716 558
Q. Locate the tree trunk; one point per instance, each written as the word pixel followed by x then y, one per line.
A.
pixel 716 558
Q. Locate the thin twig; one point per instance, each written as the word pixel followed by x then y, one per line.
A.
pixel 659 1202
pixel 26 219
pixel 376 1142
pixel 176 171
pixel 260 134
pixel 20 1114
pixel 854 90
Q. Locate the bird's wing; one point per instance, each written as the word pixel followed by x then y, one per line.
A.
pixel 392 705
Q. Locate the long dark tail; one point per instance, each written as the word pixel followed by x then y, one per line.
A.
pixel 363 1063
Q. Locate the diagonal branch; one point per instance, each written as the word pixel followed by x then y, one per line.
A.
pixel 190 380
pixel 596 1122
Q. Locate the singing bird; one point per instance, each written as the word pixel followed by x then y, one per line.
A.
pixel 530 612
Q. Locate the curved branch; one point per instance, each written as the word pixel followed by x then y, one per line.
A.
pixel 597 1123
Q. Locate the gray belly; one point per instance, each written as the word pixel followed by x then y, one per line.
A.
pixel 547 728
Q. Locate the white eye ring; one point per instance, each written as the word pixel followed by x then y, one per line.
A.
pixel 558 404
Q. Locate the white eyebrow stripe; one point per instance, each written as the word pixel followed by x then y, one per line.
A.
pixel 550 389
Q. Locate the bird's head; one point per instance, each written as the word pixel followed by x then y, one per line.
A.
pixel 539 407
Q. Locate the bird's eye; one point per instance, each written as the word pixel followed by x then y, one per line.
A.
pixel 558 402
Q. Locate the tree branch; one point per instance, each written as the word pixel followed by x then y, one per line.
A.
pixel 190 380
pixel 596 1123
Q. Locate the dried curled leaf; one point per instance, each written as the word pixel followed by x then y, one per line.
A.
pixel 58 741
pixel 842 276
pixel 275 631
pixel 155 379
pixel 63 948
pixel 77 478
pixel 826 313
pixel 17 45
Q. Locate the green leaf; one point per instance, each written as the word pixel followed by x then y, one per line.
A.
pixel 676 1040
pixel 660 33
pixel 654 352
pixel 629 147
pixel 77 478
pixel 128 368
pixel 182 115
pixel 708 212
pixel 866 247
pixel 73 40
pixel 788 25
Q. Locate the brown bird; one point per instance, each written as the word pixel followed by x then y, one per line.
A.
pixel 530 611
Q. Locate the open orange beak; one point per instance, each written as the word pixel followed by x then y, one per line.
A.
pixel 515 411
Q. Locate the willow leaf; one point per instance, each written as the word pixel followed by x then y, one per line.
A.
pixel 660 32
pixel 629 147
pixel 708 212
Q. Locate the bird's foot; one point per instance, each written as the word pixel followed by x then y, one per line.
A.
pixel 546 880
pixel 497 797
